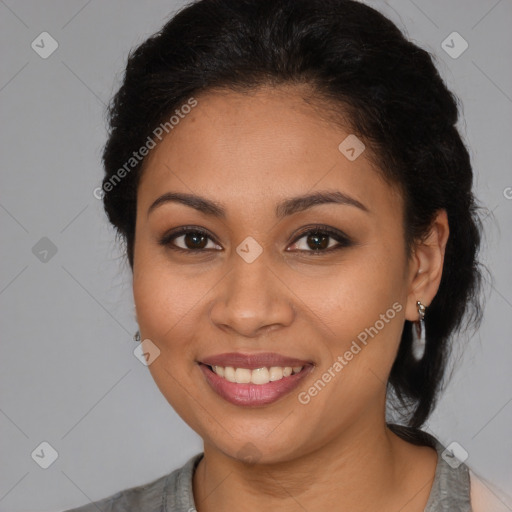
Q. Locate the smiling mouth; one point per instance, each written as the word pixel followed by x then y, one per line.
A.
pixel 258 376
pixel 254 387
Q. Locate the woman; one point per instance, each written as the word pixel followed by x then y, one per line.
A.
pixel 298 214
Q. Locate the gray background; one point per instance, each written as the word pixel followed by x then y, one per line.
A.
pixel 67 372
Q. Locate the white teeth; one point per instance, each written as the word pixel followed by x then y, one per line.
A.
pixel 242 376
pixel 257 376
pixel 276 373
pixel 229 373
pixel 260 376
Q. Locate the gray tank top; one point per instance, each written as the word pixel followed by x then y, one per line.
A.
pixel 173 492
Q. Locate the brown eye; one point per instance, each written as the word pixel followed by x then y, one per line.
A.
pixel 319 240
pixel 189 240
pixel 194 240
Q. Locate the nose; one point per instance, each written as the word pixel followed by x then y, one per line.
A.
pixel 252 299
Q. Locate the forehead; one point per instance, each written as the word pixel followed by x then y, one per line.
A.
pixel 258 147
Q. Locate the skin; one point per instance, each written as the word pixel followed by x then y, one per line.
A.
pixel 248 152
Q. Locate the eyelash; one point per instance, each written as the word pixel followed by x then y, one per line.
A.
pixel 343 240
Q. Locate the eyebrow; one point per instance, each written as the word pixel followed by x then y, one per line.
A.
pixel 284 208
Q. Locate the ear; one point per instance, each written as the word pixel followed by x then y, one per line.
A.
pixel 426 266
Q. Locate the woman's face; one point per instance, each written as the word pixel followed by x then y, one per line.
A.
pixel 256 284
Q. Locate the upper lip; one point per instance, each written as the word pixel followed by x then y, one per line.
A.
pixel 252 361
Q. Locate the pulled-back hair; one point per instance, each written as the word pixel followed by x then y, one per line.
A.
pixel 360 65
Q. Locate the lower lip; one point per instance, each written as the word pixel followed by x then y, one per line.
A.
pixel 253 394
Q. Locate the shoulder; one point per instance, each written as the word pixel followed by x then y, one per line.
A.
pixel 485 497
pixel 147 496
pixel 175 487
pixel 456 486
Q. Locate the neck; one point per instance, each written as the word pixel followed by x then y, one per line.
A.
pixel 365 465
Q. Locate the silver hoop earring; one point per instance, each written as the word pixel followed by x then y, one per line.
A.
pixel 136 336
pixel 418 334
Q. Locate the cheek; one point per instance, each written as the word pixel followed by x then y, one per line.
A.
pixel 165 307
pixel 165 304
pixel 353 294
pixel 359 310
pixel 165 295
